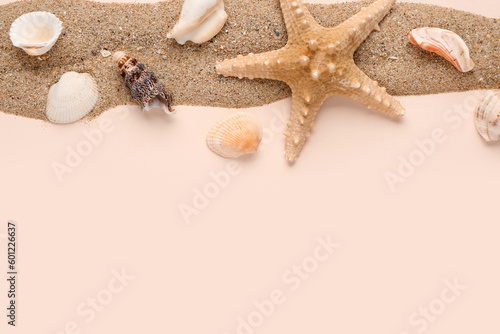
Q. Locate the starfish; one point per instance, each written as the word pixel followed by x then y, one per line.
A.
pixel 316 63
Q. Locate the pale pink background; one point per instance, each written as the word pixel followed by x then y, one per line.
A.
pixel 120 209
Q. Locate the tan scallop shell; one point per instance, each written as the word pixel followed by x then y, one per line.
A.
pixel 72 98
pixel 487 116
pixel 235 135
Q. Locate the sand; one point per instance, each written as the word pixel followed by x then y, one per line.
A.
pixel 253 26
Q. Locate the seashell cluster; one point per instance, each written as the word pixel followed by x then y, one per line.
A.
pixel 72 98
pixel 145 87
pixel 487 116
pixel 445 43
pixel 36 32
pixel 235 135
pixel 200 20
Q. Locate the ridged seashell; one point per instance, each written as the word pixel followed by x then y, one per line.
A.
pixel 488 116
pixel 235 135
pixel 445 43
pixel 145 87
pixel 36 32
pixel 72 98
pixel 200 20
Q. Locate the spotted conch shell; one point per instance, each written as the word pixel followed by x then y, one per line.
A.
pixel 488 116
pixel 445 43
pixel 235 135
pixel 145 87
pixel 200 20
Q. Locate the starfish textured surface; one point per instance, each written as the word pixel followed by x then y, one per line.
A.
pixel 316 63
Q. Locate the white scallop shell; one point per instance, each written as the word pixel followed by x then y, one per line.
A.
pixel 445 43
pixel 235 135
pixel 200 20
pixel 36 32
pixel 487 116
pixel 72 98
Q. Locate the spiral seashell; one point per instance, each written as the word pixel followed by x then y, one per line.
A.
pixel 72 98
pixel 145 87
pixel 487 116
pixel 445 43
pixel 235 135
pixel 200 20
pixel 36 32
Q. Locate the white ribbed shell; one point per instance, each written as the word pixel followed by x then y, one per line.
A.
pixel 235 135
pixel 72 98
pixel 35 32
pixel 488 116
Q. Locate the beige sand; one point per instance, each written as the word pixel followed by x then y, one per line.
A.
pixel 253 26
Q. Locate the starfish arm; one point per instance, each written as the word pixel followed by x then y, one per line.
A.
pixel 357 28
pixel 359 87
pixel 298 19
pixel 264 65
pixel 305 107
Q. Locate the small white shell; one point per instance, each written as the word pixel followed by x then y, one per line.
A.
pixel 72 98
pixel 445 43
pixel 235 135
pixel 36 32
pixel 200 20
pixel 487 116
pixel 105 53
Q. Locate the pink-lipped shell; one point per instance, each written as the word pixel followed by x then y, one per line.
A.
pixel 445 43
